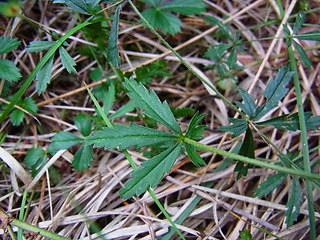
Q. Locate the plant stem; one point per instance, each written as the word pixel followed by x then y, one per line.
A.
pixel 253 161
pixel 184 62
pixel 304 140
pixel 31 228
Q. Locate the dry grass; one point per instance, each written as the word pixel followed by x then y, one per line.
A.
pixel 65 201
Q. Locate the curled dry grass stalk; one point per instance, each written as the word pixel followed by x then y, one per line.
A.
pixel 71 203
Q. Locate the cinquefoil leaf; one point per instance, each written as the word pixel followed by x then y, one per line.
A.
pixel 44 75
pixel 194 156
pixel 83 158
pixel 194 130
pixel 83 123
pixel 186 7
pixel 124 136
pixel 248 106
pixel 67 60
pixel 151 104
pixel 39 46
pixel 8 44
pixel 269 185
pixel 238 127
pixel 293 204
pixel 9 71
pixel 151 172
pixel 303 55
pixel 112 47
pixel 311 36
pixel 63 140
pixel 275 91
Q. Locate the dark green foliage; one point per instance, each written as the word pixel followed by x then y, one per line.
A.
pixel 269 185
pixel 238 127
pixel 8 44
pixel 63 140
pixel 159 15
pixel 82 6
pixel 248 106
pixel 245 235
pixel 294 201
pixel 112 46
pixel 35 159
pixel 17 115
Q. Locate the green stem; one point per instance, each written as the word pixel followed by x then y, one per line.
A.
pixel 31 228
pixel 184 62
pixel 21 213
pixel 253 161
pixel 304 140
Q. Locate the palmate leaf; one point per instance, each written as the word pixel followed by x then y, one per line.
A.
pixel 238 127
pixel 112 47
pixel 275 91
pixel 83 158
pixel 8 44
pixel 44 75
pixel 151 172
pixel 293 204
pixel 248 106
pixel 151 104
pixel 123 136
pixel 9 71
pixel 269 185
pixel 67 60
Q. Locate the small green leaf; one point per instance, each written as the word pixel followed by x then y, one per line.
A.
pixel 151 104
pixel 16 117
pixel 112 47
pixel 8 44
pixel 67 60
pixel 269 185
pixel 84 124
pixel 222 27
pixel 109 98
pixel 232 58
pixel 123 136
pixel 166 21
pixel 147 73
pixel 9 71
pixel 151 172
pixel 194 131
pixel 35 159
pixel 217 52
pixel 303 55
pixel 194 156
pixel 78 5
pixel 182 112
pixel 123 110
pixel 293 204
pixel 248 106
pixel 186 7
pixel 83 158
pixel 299 21
pixel 63 140
pixel 275 91
pixel 39 46
pixel 30 105
pixel 247 150
pixel 44 75
pixel 238 127
pixel 245 235
pixel 96 75
pixel 311 36
pixel 291 122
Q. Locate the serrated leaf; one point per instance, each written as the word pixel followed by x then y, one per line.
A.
pixel 222 27
pixel 63 140
pixel 151 104
pixel 194 156
pixel 291 122
pixel 194 130
pixel 123 136
pixel 217 52
pixel 293 204
pixel 151 172
pixel 112 47
pixel 44 75
pixel 303 55
pixel 247 150
pixel 182 111
pixel 78 6
pixel 146 74
pixel 8 44
pixel 299 21
pixel 33 156
pixel 311 36
pixel 109 98
pixel 39 46
pixel 238 127
pixel 123 110
pixel 83 158
pixel 16 117
pixel 186 7
pixel 83 123
pixel 9 71
pixel 275 91
pixel 269 185
pixel 67 60
pixel 248 106
pixel 166 21
pixel 30 105
pixel 232 58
